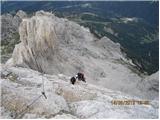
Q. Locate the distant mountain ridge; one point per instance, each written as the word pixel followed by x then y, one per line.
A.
pixel 139 9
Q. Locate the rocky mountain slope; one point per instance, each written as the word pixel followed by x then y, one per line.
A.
pixel 54 45
pixel 132 24
pixel 21 87
pixel 59 48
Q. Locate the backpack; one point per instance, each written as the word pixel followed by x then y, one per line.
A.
pixel 81 77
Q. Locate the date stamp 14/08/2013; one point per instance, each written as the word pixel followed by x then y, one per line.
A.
pixel 130 102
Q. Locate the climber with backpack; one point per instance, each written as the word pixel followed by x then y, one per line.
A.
pixel 79 76
pixel 73 80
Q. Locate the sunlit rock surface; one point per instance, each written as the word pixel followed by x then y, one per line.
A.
pixel 55 45
pixel 22 87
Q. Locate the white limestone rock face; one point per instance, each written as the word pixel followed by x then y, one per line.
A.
pixel 21 87
pixel 55 45
pixel 37 43
pixel 40 43
pixel 48 40
pixel 151 85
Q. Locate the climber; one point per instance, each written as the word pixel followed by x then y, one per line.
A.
pixel 80 77
pixel 73 80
